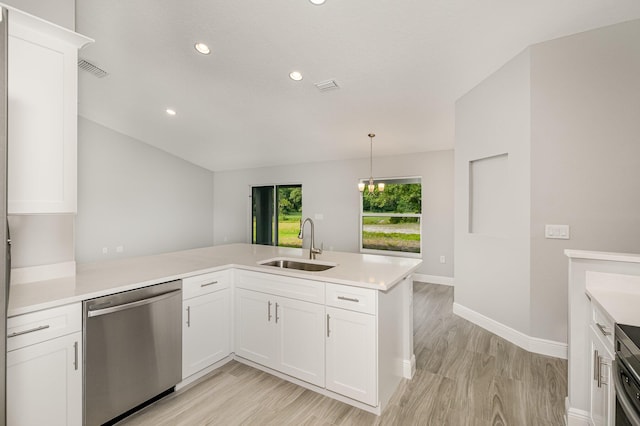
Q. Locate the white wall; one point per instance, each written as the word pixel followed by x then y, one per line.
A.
pixel 330 188
pixel 492 271
pixel 585 156
pixel 41 239
pixel 133 195
pixel 570 107
pixel 61 12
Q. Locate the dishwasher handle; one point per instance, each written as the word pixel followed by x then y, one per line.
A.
pixel 130 305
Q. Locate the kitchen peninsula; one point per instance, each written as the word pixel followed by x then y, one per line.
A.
pixel 356 315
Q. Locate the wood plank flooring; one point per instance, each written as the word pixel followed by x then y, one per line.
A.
pixel 465 376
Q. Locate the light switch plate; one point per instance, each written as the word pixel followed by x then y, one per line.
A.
pixel 560 232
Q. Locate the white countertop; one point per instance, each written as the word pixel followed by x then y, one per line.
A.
pixel 617 294
pixel 602 255
pixel 102 278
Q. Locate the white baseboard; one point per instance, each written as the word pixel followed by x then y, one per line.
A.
pixel 577 417
pixel 529 343
pixel 409 367
pixel 433 279
pixel 42 272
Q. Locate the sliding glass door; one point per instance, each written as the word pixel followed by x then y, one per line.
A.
pixel 277 210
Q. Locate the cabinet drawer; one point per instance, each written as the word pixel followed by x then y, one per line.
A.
pixel 204 284
pixel 353 298
pixel 294 288
pixel 36 327
pixel 603 323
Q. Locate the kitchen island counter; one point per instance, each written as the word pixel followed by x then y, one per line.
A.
pixel 101 278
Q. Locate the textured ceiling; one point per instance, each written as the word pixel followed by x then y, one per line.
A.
pixel 400 65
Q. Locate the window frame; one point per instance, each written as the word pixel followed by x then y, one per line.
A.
pixel 275 227
pixel 395 253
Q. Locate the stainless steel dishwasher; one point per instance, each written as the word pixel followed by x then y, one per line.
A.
pixel 132 349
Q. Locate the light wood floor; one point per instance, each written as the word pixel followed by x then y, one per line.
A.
pixel 464 376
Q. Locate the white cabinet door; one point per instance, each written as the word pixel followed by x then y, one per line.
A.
pixel 255 327
pixel 301 329
pixel 351 355
pixel 205 331
pixel 42 116
pixel 602 390
pixel 44 383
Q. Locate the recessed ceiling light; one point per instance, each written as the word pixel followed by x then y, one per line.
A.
pixel 202 48
pixel 171 111
pixel 317 2
pixel 295 75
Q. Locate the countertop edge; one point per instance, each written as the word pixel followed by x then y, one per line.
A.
pixel 602 255
pixel 28 308
pixel 616 295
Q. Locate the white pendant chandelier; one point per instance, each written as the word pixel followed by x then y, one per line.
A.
pixel 371 186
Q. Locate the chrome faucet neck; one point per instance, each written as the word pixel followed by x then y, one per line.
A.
pixel 312 249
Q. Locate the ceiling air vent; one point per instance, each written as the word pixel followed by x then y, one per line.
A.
pixel 92 69
pixel 323 86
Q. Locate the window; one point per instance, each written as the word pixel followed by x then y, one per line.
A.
pixel 391 220
pixel 277 210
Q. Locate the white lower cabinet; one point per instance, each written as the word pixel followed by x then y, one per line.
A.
pixel 255 332
pixel 602 393
pixel 301 340
pixel 44 383
pixel 44 367
pixel 602 389
pixel 351 355
pixel 206 321
pixel 205 331
pixel 281 333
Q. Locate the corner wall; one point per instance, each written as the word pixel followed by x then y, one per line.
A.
pixel 492 271
pixel 133 195
pixel 586 158
pixel 576 102
pixel 330 189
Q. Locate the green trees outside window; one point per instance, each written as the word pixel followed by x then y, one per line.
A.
pixel 391 219
pixel 277 210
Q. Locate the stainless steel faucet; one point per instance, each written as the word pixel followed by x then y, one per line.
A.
pixel 312 249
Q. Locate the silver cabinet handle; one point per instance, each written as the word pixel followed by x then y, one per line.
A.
pixel 188 316
pixel 349 299
pixel 31 330
pixel 601 380
pixel 328 329
pixel 277 317
pixel 603 329
pixel 130 305
pixel 595 364
pixel 75 356
pixel 599 366
pixel 269 311
pixel 207 284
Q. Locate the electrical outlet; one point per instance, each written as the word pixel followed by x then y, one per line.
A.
pixel 443 259
pixel 560 232
pixel 119 249
pixel 105 250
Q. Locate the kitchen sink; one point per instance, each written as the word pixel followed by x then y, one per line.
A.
pixel 298 264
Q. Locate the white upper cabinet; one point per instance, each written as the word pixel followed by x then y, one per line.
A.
pixel 42 115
